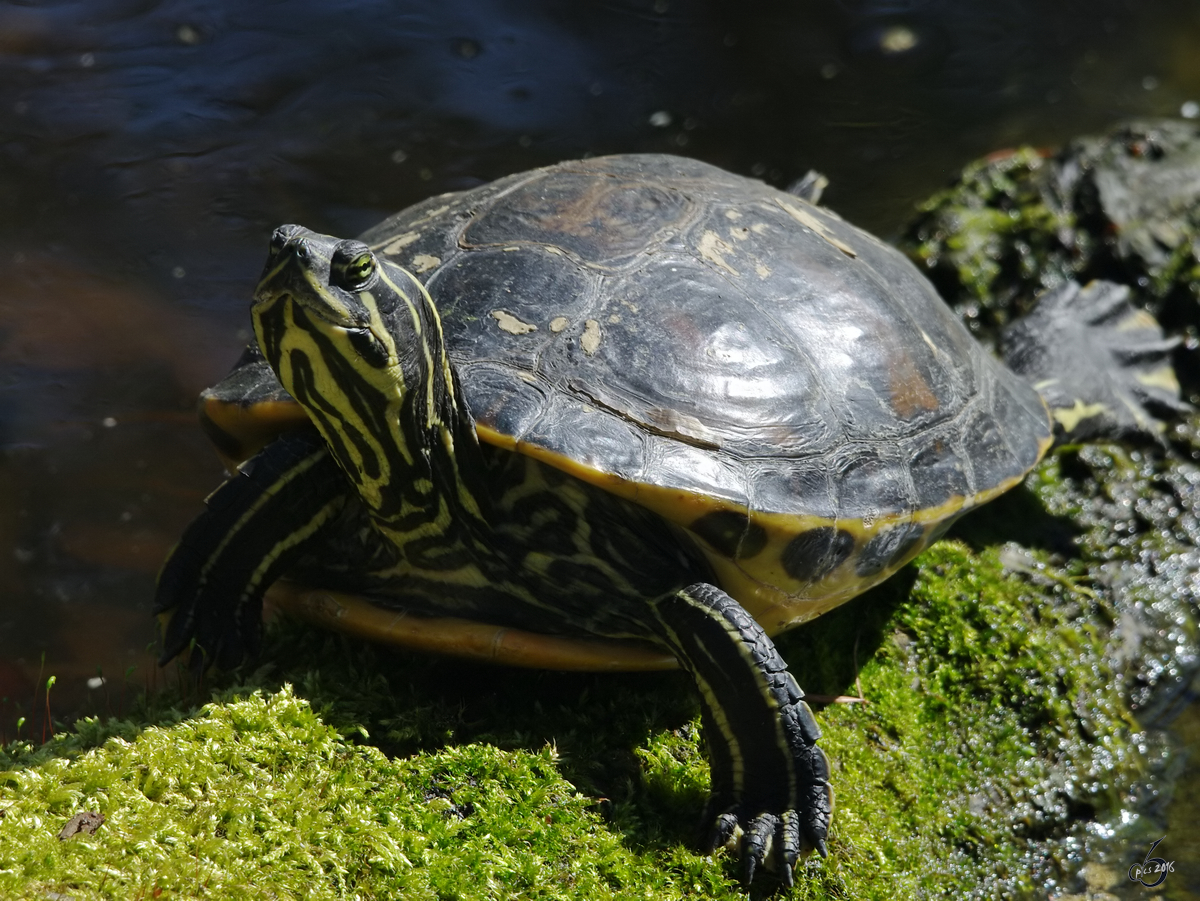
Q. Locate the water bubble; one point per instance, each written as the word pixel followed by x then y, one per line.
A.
pixel 898 39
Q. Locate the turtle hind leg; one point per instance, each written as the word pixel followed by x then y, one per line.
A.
pixel 770 781
pixel 1101 364
pixel 210 588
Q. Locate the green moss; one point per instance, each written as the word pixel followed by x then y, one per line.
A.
pixel 995 237
pixel 256 797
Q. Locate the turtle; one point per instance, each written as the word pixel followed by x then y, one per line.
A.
pixel 631 411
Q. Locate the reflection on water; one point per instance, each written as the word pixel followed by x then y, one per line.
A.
pixel 148 150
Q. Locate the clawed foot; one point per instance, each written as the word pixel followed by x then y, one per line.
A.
pixel 776 841
pixel 775 831
pixel 1101 364
pixel 771 800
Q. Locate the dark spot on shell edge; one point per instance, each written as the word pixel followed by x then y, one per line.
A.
pixel 731 533
pixel 814 554
pixel 887 547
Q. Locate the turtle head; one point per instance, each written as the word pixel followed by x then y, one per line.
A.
pixel 318 284
pixel 357 341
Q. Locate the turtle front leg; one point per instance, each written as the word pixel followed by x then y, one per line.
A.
pixel 770 781
pixel 255 525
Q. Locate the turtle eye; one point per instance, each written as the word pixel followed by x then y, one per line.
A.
pixel 353 266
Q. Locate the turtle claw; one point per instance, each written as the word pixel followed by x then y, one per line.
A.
pixel 771 841
pixel 756 843
pixel 722 832
pixel 787 842
pixel 778 840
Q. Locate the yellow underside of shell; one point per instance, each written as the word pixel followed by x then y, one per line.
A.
pixel 760 584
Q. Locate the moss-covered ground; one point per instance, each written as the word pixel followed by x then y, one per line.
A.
pixel 994 752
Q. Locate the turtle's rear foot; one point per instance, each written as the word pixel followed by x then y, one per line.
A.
pixel 1101 364
pixel 770 782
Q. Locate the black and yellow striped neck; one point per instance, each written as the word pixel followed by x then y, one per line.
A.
pixel 358 342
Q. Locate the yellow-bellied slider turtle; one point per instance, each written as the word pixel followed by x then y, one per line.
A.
pixel 628 403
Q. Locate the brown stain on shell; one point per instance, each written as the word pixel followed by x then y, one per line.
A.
pixel 597 218
pixel 908 391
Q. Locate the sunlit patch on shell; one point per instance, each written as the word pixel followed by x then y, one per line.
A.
pixel 714 249
pixel 511 324
pixel 397 243
pixel 423 262
pixel 808 220
pixel 590 340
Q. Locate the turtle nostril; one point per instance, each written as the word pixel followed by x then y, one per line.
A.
pixel 281 235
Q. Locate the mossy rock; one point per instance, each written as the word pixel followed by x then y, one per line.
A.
pixel 1122 206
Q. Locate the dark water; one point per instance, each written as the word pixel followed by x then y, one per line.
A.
pixel 148 148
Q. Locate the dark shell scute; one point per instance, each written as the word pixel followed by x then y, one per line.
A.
pixel 776 483
pixel 514 404
pixel 874 479
pixel 522 284
pixel 938 470
pixel 586 435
